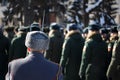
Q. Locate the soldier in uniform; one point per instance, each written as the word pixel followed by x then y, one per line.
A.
pixel 113 72
pixel 18 48
pixel 4 48
pixel 94 56
pixel 71 53
pixel 113 38
pixel 56 42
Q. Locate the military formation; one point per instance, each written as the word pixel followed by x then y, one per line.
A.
pixel 91 53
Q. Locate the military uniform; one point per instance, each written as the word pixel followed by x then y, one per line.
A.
pixel 94 59
pixel 113 37
pixel 55 46
pixel 56 42
pixel 114 67
pixel 4 47
pixel 110 48
pixel 18 48
pixel 71 55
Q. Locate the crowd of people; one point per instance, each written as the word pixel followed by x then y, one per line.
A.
pixel 60 54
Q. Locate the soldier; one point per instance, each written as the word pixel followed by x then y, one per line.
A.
pixel 94 56
pixel 113 38
pixel 56 42
pixel 113 72
pixel 18 48
pixel 71 53
pixel 4 48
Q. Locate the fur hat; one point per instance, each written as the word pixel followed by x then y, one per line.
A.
pixel 37 40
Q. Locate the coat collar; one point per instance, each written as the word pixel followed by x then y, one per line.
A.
pixel 36 55
pixel 96 37
pixel 71 33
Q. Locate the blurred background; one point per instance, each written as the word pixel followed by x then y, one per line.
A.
pixel 44 12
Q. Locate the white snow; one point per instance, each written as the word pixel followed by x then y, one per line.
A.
pixel 92 22
pixel 69 18
pixel 92 6
pixel 77 18
pixel 111 20
pixel 70 6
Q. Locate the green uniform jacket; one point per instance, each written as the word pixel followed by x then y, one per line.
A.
pixel 94 59
pixel 55 47
pixel 110 48
pixel 18 48
pixel 71 55
pixel 114 67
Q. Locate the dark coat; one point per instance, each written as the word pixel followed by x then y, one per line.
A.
pixel 114 67
pixel 18 48
pixel 110 48
pixel 4 47
pixel 33 67
pixel 55 46
pixel 94 59
pixel 71 55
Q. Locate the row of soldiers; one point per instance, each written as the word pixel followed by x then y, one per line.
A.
pixel 83 55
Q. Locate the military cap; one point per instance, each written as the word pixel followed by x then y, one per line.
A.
pixel 54 26
pixel 103 31
pixel 94 27
pixel 114 30
pixel 35 27
pixel 72 27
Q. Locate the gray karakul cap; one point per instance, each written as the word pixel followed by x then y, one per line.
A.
pixel 37 40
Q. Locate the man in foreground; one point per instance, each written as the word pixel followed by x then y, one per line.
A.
pixel 34 66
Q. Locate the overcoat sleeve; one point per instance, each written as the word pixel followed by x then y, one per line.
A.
pixel 86 56
pixel 65 53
